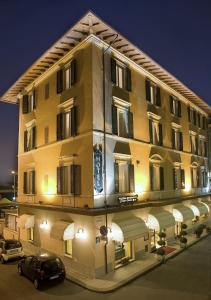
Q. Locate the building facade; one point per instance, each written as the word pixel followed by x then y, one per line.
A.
pixel 113 152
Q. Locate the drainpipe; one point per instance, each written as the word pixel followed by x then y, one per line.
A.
pixel 104 152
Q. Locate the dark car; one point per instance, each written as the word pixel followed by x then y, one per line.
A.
pixel 42 268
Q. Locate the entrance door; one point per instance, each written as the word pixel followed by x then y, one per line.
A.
pixel 123 253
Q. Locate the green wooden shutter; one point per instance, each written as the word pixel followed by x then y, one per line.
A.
pixel 116 177
pixel 147 90
pixel 161 178
pixel 73 121
pixel 113 70
pixel 59 81
pixel 25 104
pixel 114 120
pixel 150 132
pixel 33 182
pixel 160 134
pixel 182 177
pixel 34 104
pixel 25 188
pixel 128 80
pixel 194 117
pixel 199 120
pixel 59 180
pixel 181 141
pixel 197 145
pixel 173 138
pixel 60 127
pixel 192 177
pixel 131 178
pixel 151 174
pixel 171 104
pixel 25 140
pixel 158 97
pixel 75 171
pixel 189 119
pixel 73 71
pixel 179 109
pixel 130 124
pixel 174 175
pixel 33 132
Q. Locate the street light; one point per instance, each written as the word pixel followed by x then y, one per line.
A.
pixel 14 184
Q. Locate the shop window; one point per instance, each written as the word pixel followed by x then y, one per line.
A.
pixel 69 247
pixel 123 252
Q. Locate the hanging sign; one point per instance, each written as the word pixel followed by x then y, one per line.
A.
pixel 128 199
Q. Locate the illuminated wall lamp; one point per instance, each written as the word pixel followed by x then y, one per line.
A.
pixel 81 234
pixel 44 225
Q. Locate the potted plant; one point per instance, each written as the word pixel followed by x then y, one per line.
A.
pixel 198 232
pixel 160 254
pixel 183 242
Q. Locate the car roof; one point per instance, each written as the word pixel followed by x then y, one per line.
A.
pixel 44 258
pixel 11 241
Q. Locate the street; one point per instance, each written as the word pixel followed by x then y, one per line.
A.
pixel 187 276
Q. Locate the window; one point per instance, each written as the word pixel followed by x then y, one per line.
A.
pixel 47 88
pixel 204 123
pixel 30 139
pixel 30 234
pixel 156 177
pixel 192 116
pixel 204 177
pixel 202 146
pixel 69 247
pixel 178 178
pixel 69 180
pixel 29 102
pixel 66 123
pixel 11 222
pixel 29 182
pixel 175 106
pixel 120 75
pixel 155 132
pixel 177 139
pixel 66 77
pixel 152 93
pixel 124 176
pixel 122 120
pixel 195 177
pixel 193 143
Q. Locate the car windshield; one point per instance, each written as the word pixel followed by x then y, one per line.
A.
pixel 52 265
pixel 12 245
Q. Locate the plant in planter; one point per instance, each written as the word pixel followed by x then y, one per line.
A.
pixel 161 243
pixel 183 242
pixel 182 238
pixel 162 237
pixel 184 226
pixel 161 254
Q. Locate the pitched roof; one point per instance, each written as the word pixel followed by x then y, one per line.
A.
pixel 92 24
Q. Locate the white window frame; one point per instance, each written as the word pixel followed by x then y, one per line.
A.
pixel 120 79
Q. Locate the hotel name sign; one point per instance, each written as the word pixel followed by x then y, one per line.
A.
pixel 128 199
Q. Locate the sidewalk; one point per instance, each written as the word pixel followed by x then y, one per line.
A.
pixel 121 276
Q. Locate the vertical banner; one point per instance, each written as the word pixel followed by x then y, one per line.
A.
pixel 98 168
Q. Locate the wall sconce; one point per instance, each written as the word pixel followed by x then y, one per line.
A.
pixel 44 225
pixel 81 234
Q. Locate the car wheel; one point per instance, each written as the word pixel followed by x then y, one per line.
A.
pixel 20 271
pixel 2 260
pixel 36 283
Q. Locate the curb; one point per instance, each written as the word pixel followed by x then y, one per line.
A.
pixel 142 272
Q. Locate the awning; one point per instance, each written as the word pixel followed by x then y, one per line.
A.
pixel 26 221
pixel 62 230
pixel 199 208
pixel 160 219
pixel 207 203
pixel 182 213
pixel 128 229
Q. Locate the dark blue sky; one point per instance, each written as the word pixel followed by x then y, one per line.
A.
pixel 177 34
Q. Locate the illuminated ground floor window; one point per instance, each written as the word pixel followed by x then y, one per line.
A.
pixel 123 252
pixel 30 234
pixel 69 247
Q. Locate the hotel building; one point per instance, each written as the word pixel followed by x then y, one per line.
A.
pixel 113 151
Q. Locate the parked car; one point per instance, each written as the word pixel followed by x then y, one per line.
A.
pixel 10 249
pixel 42 268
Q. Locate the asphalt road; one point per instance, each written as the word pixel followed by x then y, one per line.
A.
pixel 187 276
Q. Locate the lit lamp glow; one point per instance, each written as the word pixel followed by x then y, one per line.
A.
pixel 81 234
pixel 44 225
pixel 187 187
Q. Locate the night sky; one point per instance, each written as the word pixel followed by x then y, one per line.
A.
pixel 176 34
